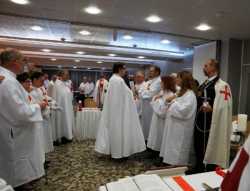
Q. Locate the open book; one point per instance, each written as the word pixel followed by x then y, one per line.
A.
pixel 139 183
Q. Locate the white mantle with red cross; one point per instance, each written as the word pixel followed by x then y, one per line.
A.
pixel 226 93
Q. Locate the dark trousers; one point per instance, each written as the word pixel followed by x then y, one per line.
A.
pixel 200 145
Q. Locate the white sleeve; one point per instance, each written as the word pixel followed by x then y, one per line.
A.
pixel 95 91
pixel 18 109
pixel 183 109
pixel 159 107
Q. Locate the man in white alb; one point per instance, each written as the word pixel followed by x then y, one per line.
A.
pixel 139 84
pixel 64 118
pixel 38 94
pixel 51 85
pixel 119 134
pixel 151 88
pixel 19 158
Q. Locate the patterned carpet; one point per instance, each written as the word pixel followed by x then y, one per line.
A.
pixel 76 167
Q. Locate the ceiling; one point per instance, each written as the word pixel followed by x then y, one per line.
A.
pixel 229 18
pixel 62 20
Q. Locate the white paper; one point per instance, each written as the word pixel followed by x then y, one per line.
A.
pixel 124 184
pixel 150 183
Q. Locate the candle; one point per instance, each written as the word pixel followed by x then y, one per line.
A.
pixel 242 122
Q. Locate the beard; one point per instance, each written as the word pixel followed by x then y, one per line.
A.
pixel 205 72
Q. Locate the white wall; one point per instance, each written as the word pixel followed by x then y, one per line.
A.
pixel 202 54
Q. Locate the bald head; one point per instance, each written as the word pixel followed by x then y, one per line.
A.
pixel 12 60
pixel 211 68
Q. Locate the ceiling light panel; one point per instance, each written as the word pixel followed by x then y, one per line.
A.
pixel 20 2
pixel 93 10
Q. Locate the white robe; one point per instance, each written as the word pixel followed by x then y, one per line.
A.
pixel 38 95
pixel 39 133
pixel 52 94
pixel 69 84
pixel 150 89
pixel 138 100
pixel 100 92
pixel 50 88
pixel 64 119
pixel 20 158
pixel 119 132
pixel 177 139
pixel 158 121
pixel 218 146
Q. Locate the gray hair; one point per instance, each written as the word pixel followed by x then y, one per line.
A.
pixel 9 55
pixel 140 73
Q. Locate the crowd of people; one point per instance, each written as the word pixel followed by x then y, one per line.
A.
pixel 183 122
pixel 171 115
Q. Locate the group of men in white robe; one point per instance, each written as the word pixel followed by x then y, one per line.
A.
pixel 21 159
pixel 167 116
pixel 160 111
pixel 30 119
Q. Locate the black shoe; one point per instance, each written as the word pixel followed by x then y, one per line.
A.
pixel 66 141
pixel 56 143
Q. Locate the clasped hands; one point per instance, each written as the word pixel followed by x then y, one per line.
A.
pixel 206 107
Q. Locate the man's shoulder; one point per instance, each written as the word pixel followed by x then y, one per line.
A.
pixel 221 82
pixel 7 80
pixel 115 79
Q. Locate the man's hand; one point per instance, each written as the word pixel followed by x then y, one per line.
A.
pixel 169 99
pixel 206 108
pixel 43 105
pixel 157 97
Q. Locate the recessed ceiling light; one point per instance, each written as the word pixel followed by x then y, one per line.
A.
pixel 93 10
pixel 165 41
pixel 59 66
pixel 154 19
pixel 53 59
pixel 46 50
pixel 127 37
pixel 21 2
pixel 85 33
pixel 113 55
pixel 141 57
pixel 77 60
pixel 203 27
pixel 80 52
pixel 89 68
pixel 99 62
pixel 103 68
pixel 74 67
pixel 36 28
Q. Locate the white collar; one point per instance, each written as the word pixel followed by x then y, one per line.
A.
pixel 8 71
pixel 155 79
pixel 212 78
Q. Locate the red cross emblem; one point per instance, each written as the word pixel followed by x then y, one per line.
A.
pixel 226 93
